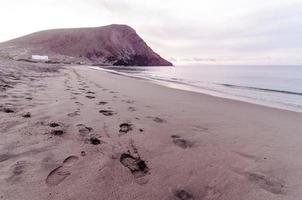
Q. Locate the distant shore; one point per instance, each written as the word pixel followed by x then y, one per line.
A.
pixel 71 132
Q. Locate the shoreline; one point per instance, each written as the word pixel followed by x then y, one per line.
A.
pixel 100 135
pixel 191 88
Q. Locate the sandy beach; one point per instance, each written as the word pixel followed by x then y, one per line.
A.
pixel 71 132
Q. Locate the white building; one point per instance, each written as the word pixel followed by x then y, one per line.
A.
pixel 39 58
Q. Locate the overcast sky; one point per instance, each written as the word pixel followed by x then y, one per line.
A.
pixel 205 31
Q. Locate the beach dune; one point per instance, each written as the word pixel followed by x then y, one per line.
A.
pixel 78 133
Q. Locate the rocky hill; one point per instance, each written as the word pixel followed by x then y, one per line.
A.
pixel 107 45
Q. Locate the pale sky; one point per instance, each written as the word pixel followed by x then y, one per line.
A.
pixel 187 31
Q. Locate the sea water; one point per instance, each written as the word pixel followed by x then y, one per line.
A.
pixel 274 86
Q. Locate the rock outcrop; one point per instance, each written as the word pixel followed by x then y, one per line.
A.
pixel 107 45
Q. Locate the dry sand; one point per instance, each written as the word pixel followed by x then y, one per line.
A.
pixel 77 133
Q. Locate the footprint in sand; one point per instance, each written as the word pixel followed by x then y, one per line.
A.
pixel 84 130
pixel 69 161
pixel 128 101
pixel 26 115
pixel 183 195
pixel 17 170
pixel 57 132
pixel 182 143
pixel 90 97
pixel 57 129
pixel 157 119
pixel 136 165
pixel 75 93
pixel 73 114
pixel 107 112
pixel 125 128
pixel 7 110
pixel 54 124
pixel 102 103
pixel 132 109
pixel 267 183
pixel 78 103
pixel 56 176
pixel 95 141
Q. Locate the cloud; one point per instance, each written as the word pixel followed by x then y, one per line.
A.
pixel 208 30
pixel 273 31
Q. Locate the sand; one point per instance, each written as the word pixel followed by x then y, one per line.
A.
pixel 76 133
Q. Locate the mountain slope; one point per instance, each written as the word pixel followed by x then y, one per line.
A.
pixel 112 45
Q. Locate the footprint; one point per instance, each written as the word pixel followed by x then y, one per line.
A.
pixel 7 110
pixel 269 184
pixel 128 101
pixel 70 160
pixel 90 92
pixel 17 170
pixel 102 103
pixel 84 130
pixel 182 143
pixel 26 115
pixel 125 128
pixel 131 109
pixel 107 112
pixel 157 119
pixel 83 153
pixel 95 141
pixel 57 132
pixel 199 128
pixel 54 124
pixel 248 156
pixel 75 93
pixel 56 176
pixel 136 165
pixel 57 129
pixel 73 114
pixel 90 97
pixel 78 103
pixel 183 195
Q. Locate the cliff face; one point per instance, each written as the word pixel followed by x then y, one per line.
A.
pixel 111 45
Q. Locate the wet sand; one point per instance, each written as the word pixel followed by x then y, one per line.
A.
pixel 76 133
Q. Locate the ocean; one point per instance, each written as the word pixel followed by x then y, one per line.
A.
pixel 273 86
